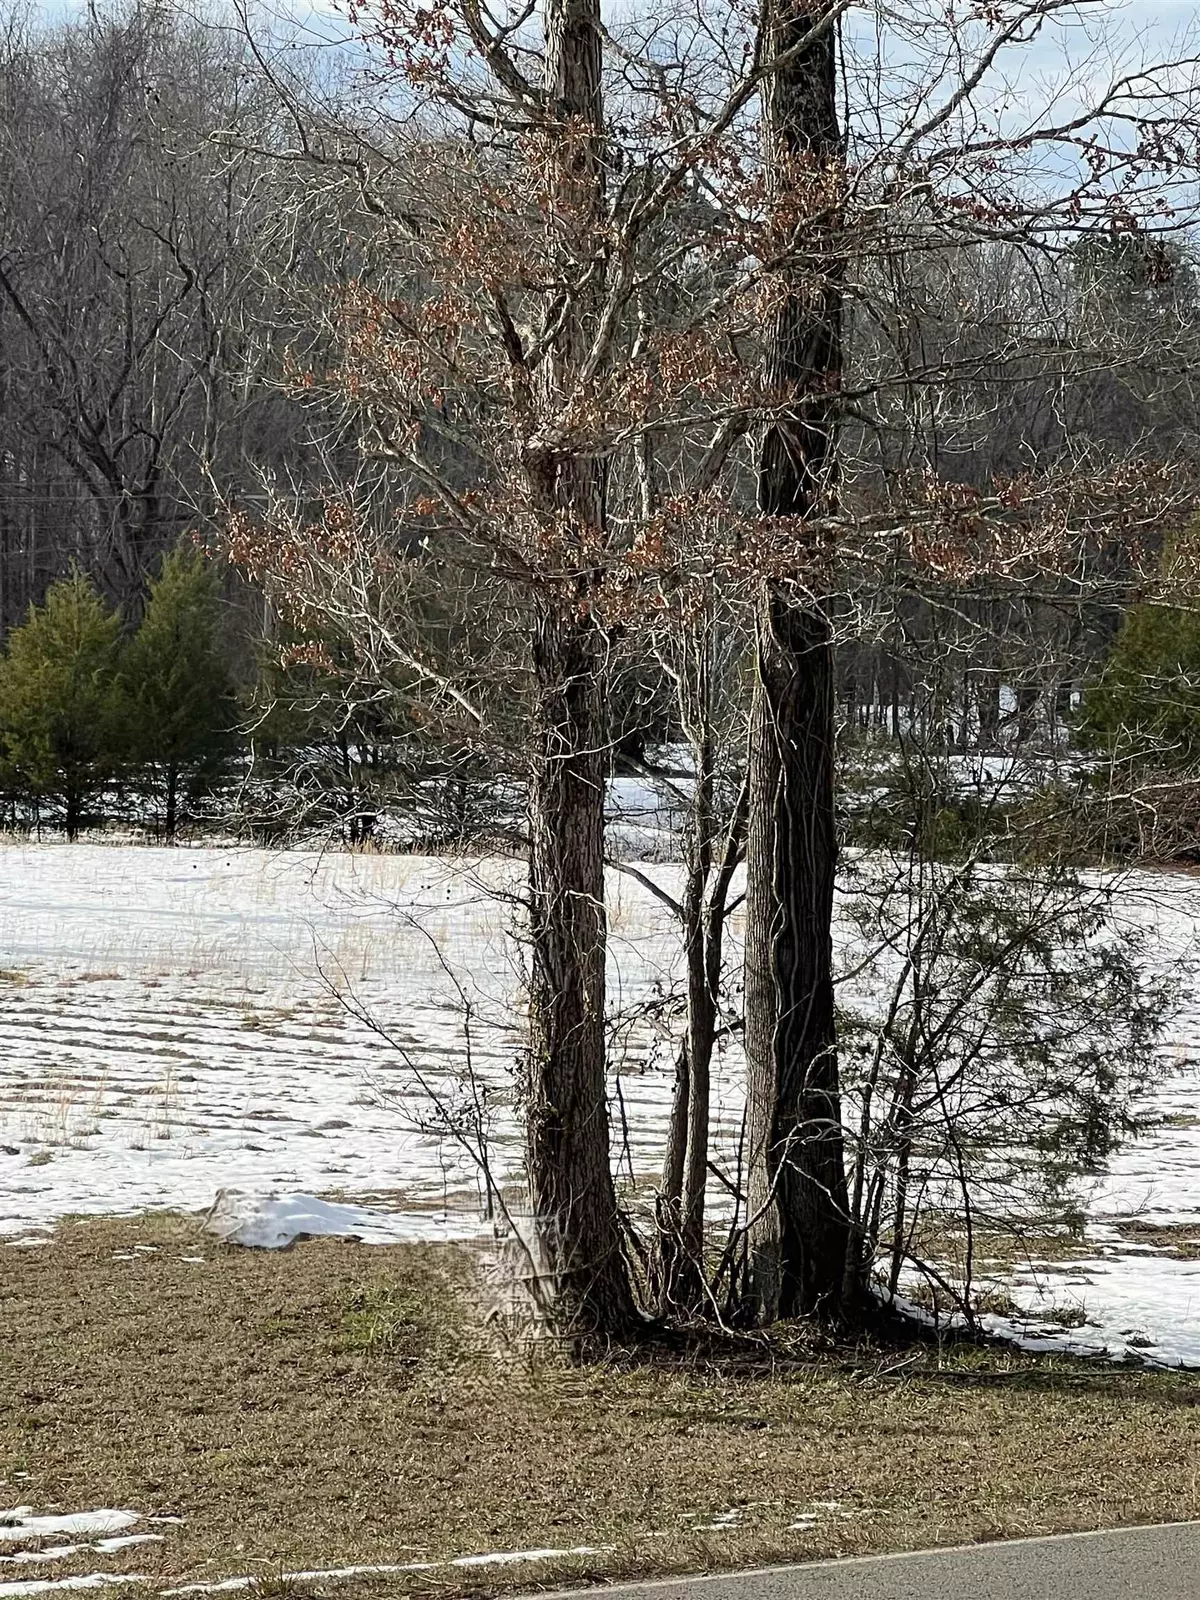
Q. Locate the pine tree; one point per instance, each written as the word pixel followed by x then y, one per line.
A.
pixel 178 694
pixel 1145 704
pixel 59 730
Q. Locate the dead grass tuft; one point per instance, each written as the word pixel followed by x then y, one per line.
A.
pixel 1180 1240
pixel 281 1586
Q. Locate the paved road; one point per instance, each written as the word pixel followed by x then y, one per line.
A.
pixel 1161 1563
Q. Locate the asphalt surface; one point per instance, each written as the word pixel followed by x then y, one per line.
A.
pixel 1157 1563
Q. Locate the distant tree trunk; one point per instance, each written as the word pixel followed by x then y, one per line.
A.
pixel 798 1235
pixel 987 699
pixel 74 809
pixel 171 819
pixel 567 1133
pixel 1026 713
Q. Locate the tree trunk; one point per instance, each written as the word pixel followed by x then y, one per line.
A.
pixel 677 1261
pixel 677 1265
pixel 567 1128
pixel 704 976
pixel 171 819
pixel 798 1226
pixel 987 698
pixel 74 810
pixel 705 953
pixel 796 1185
pixel 567 1132
pixel 1027 701
pixel 663 1271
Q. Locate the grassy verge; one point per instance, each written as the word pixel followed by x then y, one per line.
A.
pixel 334 1406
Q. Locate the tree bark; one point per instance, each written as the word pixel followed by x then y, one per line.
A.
pixel 567 1131
pixel 662 1278
pixel 713 846
pixel 704 976
pixel 798 1234
pixel 678 1260
pixel 567 1127
pixel 707 915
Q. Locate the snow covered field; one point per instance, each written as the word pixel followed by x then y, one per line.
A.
pixel 178 1022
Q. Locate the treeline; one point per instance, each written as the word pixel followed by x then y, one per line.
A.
pixel 174 279
pixel 155 258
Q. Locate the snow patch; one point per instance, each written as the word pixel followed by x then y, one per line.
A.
pixel 317 1575
pixel 60 1552
pixel 20 1526
pixel 832 1511
pixel 1135 1308
pixel 500 1558
pixel 723 1520
pixel 88 1580
pixel 275 1221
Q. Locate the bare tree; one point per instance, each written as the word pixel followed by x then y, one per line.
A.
pixel 913 182
pixel 798 1227
pixel 509 362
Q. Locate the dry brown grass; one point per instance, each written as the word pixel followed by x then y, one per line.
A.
pixel 1179 1240
pixel 334 1405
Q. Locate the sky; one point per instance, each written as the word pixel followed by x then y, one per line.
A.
pixel 1158 21
pixel 902 49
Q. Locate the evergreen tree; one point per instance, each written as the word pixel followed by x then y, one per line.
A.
pixel 59 729
pixel 1146 702
pixel 1145 705
pixel 178 693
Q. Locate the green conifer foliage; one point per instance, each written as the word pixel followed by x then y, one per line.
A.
pixel 180 707
pixel 1145 705
pixel 1146 702
pixel 59 728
